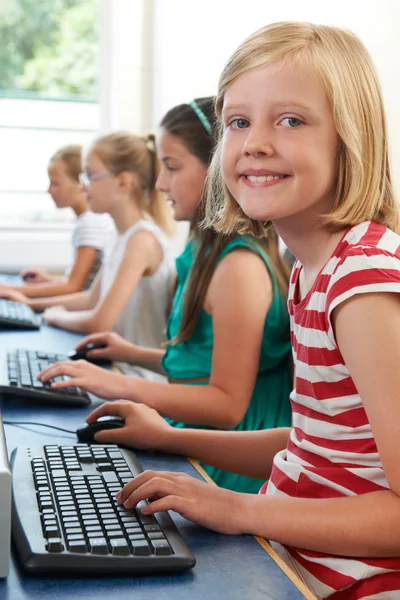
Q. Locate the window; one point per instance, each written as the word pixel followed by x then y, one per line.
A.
pixel 48 97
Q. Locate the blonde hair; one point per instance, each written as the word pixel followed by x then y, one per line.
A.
pixel 126 152
pixel 71 156
pixel 364 190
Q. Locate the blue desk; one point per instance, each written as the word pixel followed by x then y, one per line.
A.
pixel 227 568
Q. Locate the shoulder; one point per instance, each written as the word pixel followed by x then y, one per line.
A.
pixel 91 219
pixel 244 242
pixel 240 269
pixel 244 254
pixel 368 261
pixel 93 224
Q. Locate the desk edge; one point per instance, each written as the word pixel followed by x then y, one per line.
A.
pixel 294 578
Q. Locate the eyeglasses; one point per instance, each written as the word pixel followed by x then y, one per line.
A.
pixel 87 178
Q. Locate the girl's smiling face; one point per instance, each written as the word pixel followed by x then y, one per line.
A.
pixel 279 143
pixel 182 176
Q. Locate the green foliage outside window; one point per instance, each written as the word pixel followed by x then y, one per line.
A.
pixel 48 47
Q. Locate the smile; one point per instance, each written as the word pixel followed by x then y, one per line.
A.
pixel 262 180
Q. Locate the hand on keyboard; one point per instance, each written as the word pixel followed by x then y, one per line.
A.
pixel 52 315
pixel 144 428
pixel 222 510
pixel 10 294
pixel 86 376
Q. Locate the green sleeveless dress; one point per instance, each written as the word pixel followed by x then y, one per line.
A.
pixel 269 406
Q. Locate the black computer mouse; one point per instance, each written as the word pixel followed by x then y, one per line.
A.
pixel 82 354
pixel 86 434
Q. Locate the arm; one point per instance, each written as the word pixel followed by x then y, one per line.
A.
pixel 247 453
pixel 364 525
pixel 143 254
pixel 238 321
pixel 85 300
pixel 85 258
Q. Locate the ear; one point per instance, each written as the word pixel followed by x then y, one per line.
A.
pixel 127 182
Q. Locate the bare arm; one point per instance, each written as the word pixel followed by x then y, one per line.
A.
pixel 248 453
pixel 85 300
pixel 143 254
pixel 85 258
pixel 238 315
pixel 364 525
pixel 238 321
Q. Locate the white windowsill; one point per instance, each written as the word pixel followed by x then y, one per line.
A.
pixel 45 245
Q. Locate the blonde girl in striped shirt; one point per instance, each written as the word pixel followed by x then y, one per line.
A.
pixel 304 149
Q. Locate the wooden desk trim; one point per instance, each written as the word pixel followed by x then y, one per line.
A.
pixel 294 578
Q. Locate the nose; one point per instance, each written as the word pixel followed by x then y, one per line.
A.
pixel 162 181
pixel 258 142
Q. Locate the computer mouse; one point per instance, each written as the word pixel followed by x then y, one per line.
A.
pixel 86 434
pixel 82 354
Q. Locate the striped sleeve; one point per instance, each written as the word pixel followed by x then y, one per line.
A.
pixel 362 270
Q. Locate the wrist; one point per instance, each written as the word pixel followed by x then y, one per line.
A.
pixel 170 441
pixel 132 354
pixel 248 512
pixel 125 386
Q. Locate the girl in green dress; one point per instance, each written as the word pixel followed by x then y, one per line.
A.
pixel 227 355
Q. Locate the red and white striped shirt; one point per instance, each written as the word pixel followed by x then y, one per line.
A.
pixel 331 449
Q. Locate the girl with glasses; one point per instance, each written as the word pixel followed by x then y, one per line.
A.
pixel 132 291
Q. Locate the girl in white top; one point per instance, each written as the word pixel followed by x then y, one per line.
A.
pixel 131 293
pixel 91 238
pixel 144 318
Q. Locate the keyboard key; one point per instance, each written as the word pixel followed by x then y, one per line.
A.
pixel 119 546
pixel 141 548
pixel 55 545
pixel 77 546
pixel 161 547
pixel 98 545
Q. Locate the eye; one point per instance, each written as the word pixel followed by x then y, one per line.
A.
pixel 291 122
pixel 239 123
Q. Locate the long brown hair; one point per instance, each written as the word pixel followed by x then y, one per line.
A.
pixel 183 122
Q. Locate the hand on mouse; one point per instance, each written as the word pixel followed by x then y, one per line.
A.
pixel 209 505
pixel 36 276
pixel 144 428
pixel 116 348
pixel 100 382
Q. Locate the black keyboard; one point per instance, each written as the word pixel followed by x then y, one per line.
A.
pixel 65 518
pixel 18 370
pixel 16 315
